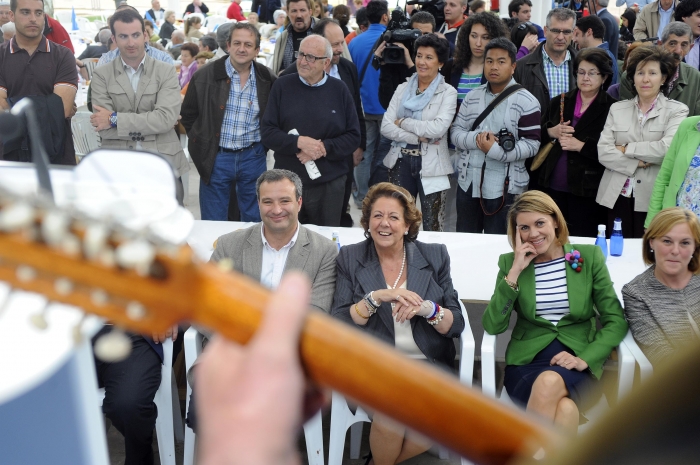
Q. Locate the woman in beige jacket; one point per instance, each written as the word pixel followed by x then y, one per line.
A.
pixel 637 134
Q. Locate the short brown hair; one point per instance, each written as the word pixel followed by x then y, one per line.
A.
pixel 640 56
pixel 190 47
pixel 537 202
pixel 412 216
pixel 662 223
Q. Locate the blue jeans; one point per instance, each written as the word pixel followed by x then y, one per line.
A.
pixel 242 166
pixel 362 171
pixel 379 172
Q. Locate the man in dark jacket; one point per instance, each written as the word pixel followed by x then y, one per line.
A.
pixel 549 69
pixel 222 110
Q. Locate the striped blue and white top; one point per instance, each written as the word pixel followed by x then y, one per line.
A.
pixel 551 298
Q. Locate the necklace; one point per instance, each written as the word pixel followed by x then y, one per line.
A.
pixel 403 264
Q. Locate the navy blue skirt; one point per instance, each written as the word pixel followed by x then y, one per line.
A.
pixel 581 385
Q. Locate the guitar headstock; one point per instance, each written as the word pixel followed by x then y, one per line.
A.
pixel 133 279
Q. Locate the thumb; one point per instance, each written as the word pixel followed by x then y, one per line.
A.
pixel 284 316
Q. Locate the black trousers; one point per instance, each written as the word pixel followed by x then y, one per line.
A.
pixel 130 387
pixel 322 203
pixel 632 221
pixel 472 219
pixel 583 214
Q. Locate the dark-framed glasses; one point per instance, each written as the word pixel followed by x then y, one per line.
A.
pixel 308 57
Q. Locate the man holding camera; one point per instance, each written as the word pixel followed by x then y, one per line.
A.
pixel 496 130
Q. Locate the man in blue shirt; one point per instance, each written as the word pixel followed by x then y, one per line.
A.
pixel 362 49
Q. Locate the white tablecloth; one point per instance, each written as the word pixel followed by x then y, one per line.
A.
pixel 474 257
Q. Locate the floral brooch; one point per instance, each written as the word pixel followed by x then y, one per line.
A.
pixel 575 260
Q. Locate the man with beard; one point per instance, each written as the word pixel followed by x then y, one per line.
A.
pixel 684 86
pixel 300 24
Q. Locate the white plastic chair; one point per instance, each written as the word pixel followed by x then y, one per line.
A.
pixel 313 431
pixel 342 418
pixel 85 137
pixel 625 368
pixel 213 21
pixel 169 426
pixel 645 368
pixel 65 17
pixel 90 65
pixel 84 25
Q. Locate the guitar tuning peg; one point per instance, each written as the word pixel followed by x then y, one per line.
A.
pixel 70 245
pixel 114 346
pixel 16 216
pixel 135 311
pixel 25 273
pixel 136 254
pixel 99 297
pixel 95 239
pixel 225 264
pixel 63 286
pixel 78 330
pixel 54 227
pixel 39 319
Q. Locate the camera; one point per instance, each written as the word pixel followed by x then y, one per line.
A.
pixel 434 7
pixel 398 31
pixel 506 140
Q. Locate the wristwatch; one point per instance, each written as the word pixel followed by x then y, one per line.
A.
pixel 113 119
pixel 373 303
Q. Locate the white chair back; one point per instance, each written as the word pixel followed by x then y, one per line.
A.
pixel 85 137
pixel 216 20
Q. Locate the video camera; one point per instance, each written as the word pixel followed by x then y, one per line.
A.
pixel 398 31
pixel 434 7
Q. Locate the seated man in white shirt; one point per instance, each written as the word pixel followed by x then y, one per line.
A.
pixel 267 250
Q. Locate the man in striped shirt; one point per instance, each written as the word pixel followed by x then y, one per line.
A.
pixel 489 176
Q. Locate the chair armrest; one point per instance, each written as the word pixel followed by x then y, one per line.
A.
pixel 467 349
pixel 488 365
pixel 625 367
pixel 645 368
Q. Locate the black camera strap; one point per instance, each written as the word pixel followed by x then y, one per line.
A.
pixel 501 97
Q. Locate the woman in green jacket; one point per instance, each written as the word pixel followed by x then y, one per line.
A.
pixel 678 181
pixel 555 355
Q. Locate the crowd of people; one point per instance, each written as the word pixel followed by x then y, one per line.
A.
pixel 502 126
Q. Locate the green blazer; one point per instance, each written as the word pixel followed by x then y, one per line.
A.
pixel 674 167
pixel 587 289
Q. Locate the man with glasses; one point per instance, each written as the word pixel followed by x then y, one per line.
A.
pixel 312 117
pixel 222 110
pixel 548 71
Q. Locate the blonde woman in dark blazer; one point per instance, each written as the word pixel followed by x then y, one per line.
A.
pixel 636 137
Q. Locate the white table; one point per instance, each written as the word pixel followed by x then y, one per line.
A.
pixel 474 257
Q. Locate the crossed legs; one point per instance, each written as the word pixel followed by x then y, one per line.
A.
pixel 392 443
pixel 549 399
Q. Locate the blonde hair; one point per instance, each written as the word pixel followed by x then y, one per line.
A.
pixel 662 223
pixel 190 21
pixel 537 202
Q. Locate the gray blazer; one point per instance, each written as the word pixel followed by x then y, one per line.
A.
pixel 312 254
pixel 428 265
pixel 658 315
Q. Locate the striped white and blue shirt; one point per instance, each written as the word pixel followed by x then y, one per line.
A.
pixel 551 298
pixel 241 124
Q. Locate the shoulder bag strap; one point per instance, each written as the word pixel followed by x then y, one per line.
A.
pixel 501 97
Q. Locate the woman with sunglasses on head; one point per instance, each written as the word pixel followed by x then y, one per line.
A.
pixel 571 172
pixel 524 36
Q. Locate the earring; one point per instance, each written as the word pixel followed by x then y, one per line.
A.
pixel 405 233
pixel 651 250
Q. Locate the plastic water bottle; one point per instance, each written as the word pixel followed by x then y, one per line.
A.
pixel 616 239
pixel 336 239
pixel 601 241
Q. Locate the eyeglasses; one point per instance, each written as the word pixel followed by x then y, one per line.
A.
pixel 566 32
pixel 309 58
pixel 591 74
